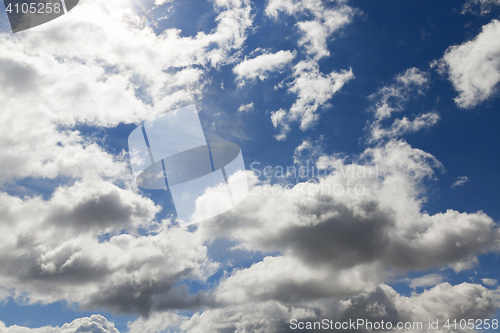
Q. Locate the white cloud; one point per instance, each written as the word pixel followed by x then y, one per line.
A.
pixel 327 247
pixel 116 74
pixel 261 317
pixel 460 181
pixel 393 98
pixel 484 6
pixel 94 323
pixel 351 227
pixel 246 107
pixel 313 90
pixel 50 251
pixel 489 282
pixel 464 264
pixel 262 65
pixel 474 67
pixel 429 280
pixel 403 126
pixel 444 301
pixel 161 2
pixel 308 150
pixel 99 66
pixel 315 33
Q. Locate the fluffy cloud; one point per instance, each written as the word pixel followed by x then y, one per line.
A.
pixel 59 75
pixel 246 107
pixel 252 317
pixel 444 301
pixel 315 33
pixel 342 235
pixel 92 324
pixel 92 239
pixel 474 67
pixel 51 251
pixel 260 66
pixel 313 90
pixel 327 245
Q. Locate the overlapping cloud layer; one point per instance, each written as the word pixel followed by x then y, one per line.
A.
pixel 326 253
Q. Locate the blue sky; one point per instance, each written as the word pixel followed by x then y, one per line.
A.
pixel 407 88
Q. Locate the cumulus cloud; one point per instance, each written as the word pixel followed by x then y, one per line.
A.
pixel 59 75
pixel 93 240
pixel 51 251
pixel 474 67
pixel 92 324
pixel 328 245
pixel 316 32
pixel 351 227
pixel 444 301
pixel 262 65
pixel 313 89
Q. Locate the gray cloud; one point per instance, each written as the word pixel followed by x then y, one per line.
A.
pixel 444 301
pixel 342 244
pixel 108 210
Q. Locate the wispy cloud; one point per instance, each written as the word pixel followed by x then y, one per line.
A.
pixel 484 6
pixel 262 65
pixel 393 98
pixel 429 280
pixel 460 181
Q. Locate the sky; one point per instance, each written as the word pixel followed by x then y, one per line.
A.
pixel 390 107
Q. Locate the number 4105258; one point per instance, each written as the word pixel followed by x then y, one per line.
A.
pixel 478 324
pixel 39 8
